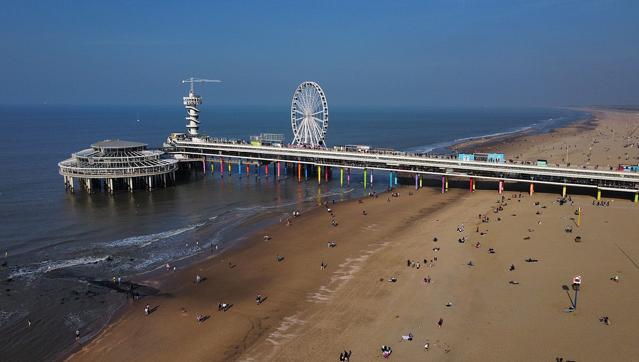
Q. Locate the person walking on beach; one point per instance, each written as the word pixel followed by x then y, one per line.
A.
pixel 147 309
pixel 77 334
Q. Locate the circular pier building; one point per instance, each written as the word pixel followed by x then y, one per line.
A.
pixel 116 164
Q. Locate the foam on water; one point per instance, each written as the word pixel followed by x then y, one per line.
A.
pixel 50 265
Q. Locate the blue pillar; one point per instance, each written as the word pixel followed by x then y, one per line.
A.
pixel 306 171
pixel 390 180
pixel 416 182
pixel 239 167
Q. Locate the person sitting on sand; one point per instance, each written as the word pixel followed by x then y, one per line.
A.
pixel 440 322
pixel 615 278
pixel 392 279
pixel 199 318
pixel 386 351
pixel 605 320
pixel 408 337
pixel 512 267
pixel 258 299
pixel 470 263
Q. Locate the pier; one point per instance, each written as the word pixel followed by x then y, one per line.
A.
pixel 131 164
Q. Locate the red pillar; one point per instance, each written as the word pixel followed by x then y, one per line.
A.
pixel 471 184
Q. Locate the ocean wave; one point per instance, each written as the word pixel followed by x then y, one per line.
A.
pixel 145 240
pixel 47 266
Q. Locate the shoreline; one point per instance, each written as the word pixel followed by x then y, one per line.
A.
pixel 253 327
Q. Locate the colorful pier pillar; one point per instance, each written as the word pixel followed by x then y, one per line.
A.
pixel 446 184
pixel 278 169
pixel 443 184
pixel 285 168
pixel 371 177
pixel 416 182
pixel 636 197
pixel 364 179
pixel 563 192
pixel 395 175
pixel 598 194
pixel 341 176
pixel 390 180
pixel 239 167
pixel 306 171
pixel 248 170
pixel 212 167
pixel 299 172
pixel 266 170
pixel 348 177
pixel 532 189
pixel 222 166
pixel 421 181
pixel 501 187
pixel 326 170
pixel 319 174
pixel 471 185
pixel 229 165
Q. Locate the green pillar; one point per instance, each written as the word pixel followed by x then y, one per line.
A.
pixel 364 179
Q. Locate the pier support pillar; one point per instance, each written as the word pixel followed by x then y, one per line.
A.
pixel 212 167
pixel 416 182
pixel 306 172
pixel 598 194
pixel 129 183
pixel 266 170
pixel 348 177
pixel 371 177
pixel 319 174
pixel 390 180
pixel 299 172
pixel 204 166
pixel 222 167
pixel 164 180
pixel 87 185
pixel 248 170
pixel 150 183
pixel 395 176
pixel 501 187
pixel 364 179
pixel 532 189
pixel 278 169
pixel 326 170
pixel 110 185
pixel 443 184
pixel 471 185
pixel 229 166
pixel 636 197
pixel 421 181
pixel 239 168
pixel 446 183
pixel 563 191
pixel 341 177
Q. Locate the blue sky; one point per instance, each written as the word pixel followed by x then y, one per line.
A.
pixel 388 53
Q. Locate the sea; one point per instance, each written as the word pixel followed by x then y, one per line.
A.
pixel 59 250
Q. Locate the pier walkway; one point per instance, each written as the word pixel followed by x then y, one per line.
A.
pixel 203 149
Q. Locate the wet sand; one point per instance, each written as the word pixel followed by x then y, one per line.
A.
pixel 313 314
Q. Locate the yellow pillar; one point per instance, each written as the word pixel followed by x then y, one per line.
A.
pixel 579 216
pixel 636 197
pixel 598 195
pixel 341 176
pixel 446 184
pixel 563 192
pixel 319 174
pixel 420 181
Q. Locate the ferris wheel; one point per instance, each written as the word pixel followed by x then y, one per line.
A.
pixel 309 115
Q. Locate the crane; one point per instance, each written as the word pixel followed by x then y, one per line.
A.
pixel 193 80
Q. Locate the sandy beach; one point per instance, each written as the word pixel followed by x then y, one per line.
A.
pixel 487 311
